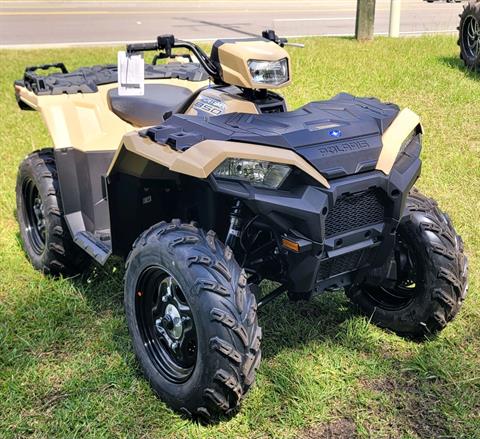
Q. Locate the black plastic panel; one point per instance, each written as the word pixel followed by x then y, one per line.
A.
pixel 341 136
pixel 83 196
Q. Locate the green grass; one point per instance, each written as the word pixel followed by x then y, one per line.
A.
pixel 66 366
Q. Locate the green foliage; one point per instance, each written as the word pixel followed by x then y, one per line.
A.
pixel 66 366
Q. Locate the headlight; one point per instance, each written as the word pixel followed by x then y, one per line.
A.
pixel 269 72
pixel 256 172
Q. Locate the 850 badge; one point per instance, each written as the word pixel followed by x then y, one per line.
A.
pixel 213 107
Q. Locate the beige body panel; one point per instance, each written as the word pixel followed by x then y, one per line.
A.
pixel 234 56
pixel 230 103
pixel 84 120
pixel 393 138
pixel 203 158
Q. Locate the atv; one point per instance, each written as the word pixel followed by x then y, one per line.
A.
pixel 469 35
pixel 316 199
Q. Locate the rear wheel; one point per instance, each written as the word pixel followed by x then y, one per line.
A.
pixel 431 274
pixel 469 35
pixel 192 319
pixel 45 236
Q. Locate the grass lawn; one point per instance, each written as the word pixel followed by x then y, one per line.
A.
pixel 66 366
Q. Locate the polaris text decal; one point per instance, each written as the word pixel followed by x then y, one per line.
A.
pixel 343 147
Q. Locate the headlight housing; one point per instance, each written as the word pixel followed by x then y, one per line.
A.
pixel 407 141
pixel 269 72
pixel 258 173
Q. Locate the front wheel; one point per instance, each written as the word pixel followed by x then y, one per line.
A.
pixel 192 319
pixel 431 274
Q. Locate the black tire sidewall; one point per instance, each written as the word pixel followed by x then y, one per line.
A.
pixel 155 255
pixel 60 255
pixel 441 266
pixel 27 172
pixel 156 248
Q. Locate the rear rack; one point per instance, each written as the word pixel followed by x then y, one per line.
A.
pixel 87 79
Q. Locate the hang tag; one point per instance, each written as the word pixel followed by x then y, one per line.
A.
pixel 131 74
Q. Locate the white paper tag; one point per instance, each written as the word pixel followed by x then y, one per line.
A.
pixel 131 74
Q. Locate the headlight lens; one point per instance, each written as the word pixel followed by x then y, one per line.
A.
pixel 269 72
pixel 257 172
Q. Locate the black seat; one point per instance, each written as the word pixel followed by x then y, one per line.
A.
pixel 149 109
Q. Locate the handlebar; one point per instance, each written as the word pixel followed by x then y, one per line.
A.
pixel 169 42
pixel 166 43
pixel 270 34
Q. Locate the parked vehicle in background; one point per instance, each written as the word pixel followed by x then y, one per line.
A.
pixel 469 35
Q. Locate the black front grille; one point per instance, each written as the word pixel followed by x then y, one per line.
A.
pixel 354 211
pixel 340 264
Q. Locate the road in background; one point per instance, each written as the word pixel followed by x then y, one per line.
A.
pixel 53 22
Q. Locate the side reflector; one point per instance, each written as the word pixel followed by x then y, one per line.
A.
pixel 291 245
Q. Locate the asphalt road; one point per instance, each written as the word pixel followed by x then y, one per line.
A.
pixel 56 22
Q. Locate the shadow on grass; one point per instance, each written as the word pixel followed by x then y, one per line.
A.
pixel 331 320
pixel 328 319
pixel 457 64
pixel 328 323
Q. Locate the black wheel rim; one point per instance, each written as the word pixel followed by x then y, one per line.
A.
pixel 166 324
pixel 407 288
pixel 34 216
pixel 471 37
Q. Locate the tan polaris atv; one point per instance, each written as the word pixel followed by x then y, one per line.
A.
pixel 316 199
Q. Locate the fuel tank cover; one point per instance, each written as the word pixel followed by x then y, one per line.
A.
pixel 340 136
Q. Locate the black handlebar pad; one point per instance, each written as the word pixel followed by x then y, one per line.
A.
pixel 141 47
pixel 164 42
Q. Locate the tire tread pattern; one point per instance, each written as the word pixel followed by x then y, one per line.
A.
pixel 236 352
pixel 446 265
pixel 62 255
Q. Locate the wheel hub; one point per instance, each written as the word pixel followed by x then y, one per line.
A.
pixel 171 321
pixel 40 219
pixel 397 293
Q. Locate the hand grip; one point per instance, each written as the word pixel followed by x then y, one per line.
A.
pixel 141 47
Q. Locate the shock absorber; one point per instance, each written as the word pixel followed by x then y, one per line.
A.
pixel 235 225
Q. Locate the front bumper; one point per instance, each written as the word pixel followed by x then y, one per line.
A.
pixel 351 225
